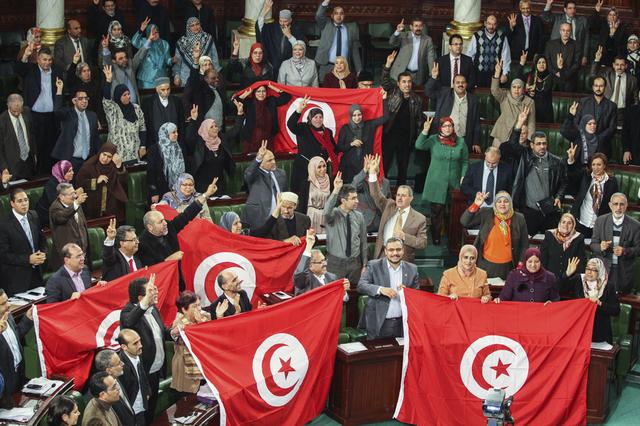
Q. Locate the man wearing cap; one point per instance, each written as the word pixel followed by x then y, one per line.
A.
pixel 365 80
pixel 160 109
pixel 277 38
pixel 284 223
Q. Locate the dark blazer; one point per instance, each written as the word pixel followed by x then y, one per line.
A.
pixel 610 76
pixel 606 114
pixel 60 286
pixel 258 205
pixel 124 407
pixel 66 229
pixel 276 229
pixel 68 118
pixel 444 96
pixel 9 148
pixel 582 175
pixel 130 381
pixel 630 240
pixel 631 134
pixel 18 274
pixel 132 316
pixel 147 105
pixel 472 182
pixel 31 85
pixel 65 48
pixel 555 259
pixel 466 68
pixel 198 92
pixel 518 36
pixel 151 251
pixel 13 378
pixel 245 305
pixel 156 179
pixel 304 280
pixel 114 264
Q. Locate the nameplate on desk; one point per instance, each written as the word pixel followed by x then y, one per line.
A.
pixel 603 346
pixel 352 347
pixel 41 386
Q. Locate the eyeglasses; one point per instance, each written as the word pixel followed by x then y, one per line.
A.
pixel 134 240
pixel 82 98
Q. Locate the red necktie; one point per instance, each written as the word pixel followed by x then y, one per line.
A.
pixel 131 267
pixel 455 68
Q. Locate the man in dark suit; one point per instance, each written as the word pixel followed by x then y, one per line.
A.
pixel 67 46
pixel 416 53
pixel 18 152
pixel 563 59
pixel 119 252
pixel 11 352
pixel 23 247
pixel 616 240
pixel 455 58
pixel 142 316
pixel 134 379
pixel 38 86
pixel 456 103
pixel 208 93
pixel 79 137
pixel 67 221
pixel 621 88
pixel 108 361
pixel 164 108
pixel 233 299
pixel 579 26
pixel 277 38
pixel 604 111
pixel 381 281
pixel 284 223
pixel 71 279
pixel 264 181
pixel 490 176
pixel 525 32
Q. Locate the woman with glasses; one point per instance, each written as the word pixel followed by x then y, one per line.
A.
pixel 183 194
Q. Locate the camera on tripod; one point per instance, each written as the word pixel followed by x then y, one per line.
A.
pixel 497 409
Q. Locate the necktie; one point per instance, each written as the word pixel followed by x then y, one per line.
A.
pixel 397 227
pixel 77 42
pixel 489 187
pixel 22 141
pixel 339 40
pixel 83 133
pixel 456 68
pixel 347 251
pixel 616 92
pixel 274 190
pixel 573 27
pixel 27 230
pixel 526 31
pixel 131 265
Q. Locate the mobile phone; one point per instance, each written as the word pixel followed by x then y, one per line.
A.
pixel 34 387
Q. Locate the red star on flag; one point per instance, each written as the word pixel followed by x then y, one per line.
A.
pixel 286 368
pixel 500 369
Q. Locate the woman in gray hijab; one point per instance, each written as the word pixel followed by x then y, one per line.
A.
pixel 356 139
pixel 231 222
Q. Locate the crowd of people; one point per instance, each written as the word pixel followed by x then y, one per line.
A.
pixel 80 89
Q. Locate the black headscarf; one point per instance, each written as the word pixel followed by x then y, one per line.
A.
pixel 128 111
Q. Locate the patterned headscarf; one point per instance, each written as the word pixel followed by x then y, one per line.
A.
pixel 171 154
pixel 601 281
pixel 176 189
pixel 60 169
pixel 117 42
pixel 189 40
pixel 565 240
pixel 504 218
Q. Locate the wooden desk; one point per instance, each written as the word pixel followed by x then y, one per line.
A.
pixel 601 387
pixel 187 405
pixel 20 399
pixel 18 310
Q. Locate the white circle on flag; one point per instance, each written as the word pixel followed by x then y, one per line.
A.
pixel 329 118
pixel 494 362
pixel 107 323
pixel 243 268
pixel 280 365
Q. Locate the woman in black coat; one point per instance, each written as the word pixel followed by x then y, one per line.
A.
pixel 612 35
pixel 562 244
pixel 79 76
pixel 584 136
pixel 538 85
pixel 252 69
pixel 165 162
pixel 356 140
pixel 211 154
pixel 593 285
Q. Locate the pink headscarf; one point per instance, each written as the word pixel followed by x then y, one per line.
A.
pixel 212 142
pixel 60 169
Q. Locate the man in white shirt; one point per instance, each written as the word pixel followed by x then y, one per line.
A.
pixel 621 86
pixel 134 379
pixel 119 251
pixel 416 54
pixel 487 46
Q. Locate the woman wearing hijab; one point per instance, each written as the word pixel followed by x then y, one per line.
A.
pixel 340 76
pixel 183 194
pixel 158 59
pixel 118 39
pixel 314 140
pixel 356 139
pixel 211 153
pixel 502 235
pixel 261 118
pixel 252 69
pixel 193 39
pixel 512 103
pixel 538 85
pixel 584 136
pixel 298 70
pixel 465 279
pixel 165 162
pixel 102 177
pixel 592 284
pixel 449 162
pixel 561 244
pixel 61 172
pixel 231 222
pixel 319 190
pixel 530 282
pixel 125 119
pixel 34 37
pixel 594 191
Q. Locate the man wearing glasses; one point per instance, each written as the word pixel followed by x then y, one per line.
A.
pixel 454 63
pixel 106 392
pixel 119 251
pixel 72 278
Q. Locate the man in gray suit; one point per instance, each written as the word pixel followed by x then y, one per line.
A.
pixel 264 181
pixel 579 26
pixel 416 54
pixel 616 240
pixel 17 144
pixel 67 46
pixel 337 38
pixel 381 281
pixel 622 86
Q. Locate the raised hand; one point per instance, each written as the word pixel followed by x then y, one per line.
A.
pixel 236 46
pixel 626 159
pixel 427 125
pixel 571 153
pixel 390 58
pixel 498 68
pixel 246 93
pixel 108 73
pixel 266 7
pixel 435 71
pixel 522 117
pixel 239 106
pixel 480 198
pixel 222 307
pixel 367 161
pixel 374 164
pixel 6 176
pixel 310 238
pixel 117 160
pixel 598 56
pixel 383 93
pixel 212 188
pixel 573 108
pixel 572 266
pixel 274 88
pixel 512 20
pixel 303 104
pixel 262 151
pixel 154 36
pixel 523 57
pixel 598 5
pixel 81 196
pixel 59 86
pixel 28 51
pixel 400 26
pixel 337 182
pixel 76 57
pixel 144 24
pixel 111 230
pixel 194 112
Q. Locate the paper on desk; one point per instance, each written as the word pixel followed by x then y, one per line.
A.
pixel 47 387
pixel 17 302
pixel 603 346
pixel 31 295
pixel 352 347
pixel 400 340
pixel 186 420
pixel 497 281
pixel 19 414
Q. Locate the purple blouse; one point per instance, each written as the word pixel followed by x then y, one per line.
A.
pixel 520 289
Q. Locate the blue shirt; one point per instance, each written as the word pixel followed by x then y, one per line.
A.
pixel 334 43
pixel 44 103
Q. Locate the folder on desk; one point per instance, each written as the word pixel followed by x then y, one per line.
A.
pixel 352 347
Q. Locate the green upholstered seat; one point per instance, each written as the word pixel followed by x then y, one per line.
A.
pixel 138 194
pixel 217 211
pixel 96 241
pixel 379 33
pixel 628 183
pixel 621 336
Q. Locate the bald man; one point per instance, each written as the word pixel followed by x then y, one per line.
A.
pixel 491 175
pixel 67 46
pixel 134 378
pixel 233 299
pixel 487 46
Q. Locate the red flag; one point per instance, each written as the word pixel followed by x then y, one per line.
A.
pixel 456 350
pixel 335 105
pixel 167 211
pixel 271 366
pixel 68 333
pixel 263 265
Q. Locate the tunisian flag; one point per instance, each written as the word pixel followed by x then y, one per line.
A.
pixel 68 333
pixel 263 265
pixel 271 366
pixel 456 350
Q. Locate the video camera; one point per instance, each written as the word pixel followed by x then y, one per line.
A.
pixel 497 409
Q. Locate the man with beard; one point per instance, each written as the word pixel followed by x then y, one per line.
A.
pixel 123 71
pixel 164 108
pixel 579 26
pixel 109 362
pixel 487 46
pixel 563 59
pixel 207 92
pixel 416 54
pixel 277 38
pixel 284 223
pixel 603 110
pixel 622 87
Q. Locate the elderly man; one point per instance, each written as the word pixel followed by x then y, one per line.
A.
pixel 616 240
pixel 17 145
pixel 337 38
pixel 603 110
pixel 67 221
pixel 123 70
pixel 134 379
pixel 119 252
pixel 416 54
pixel 525 33
pixel 277 38
pixel 71 279
pixel 233 299
pixel 487 46
pixel 106 392
pixel 399 219
pixel 164 108
pixel 490 176
pixel 579 26
pixel 67 46
pixel 284 223
pixel 206 90
pixel 381 281
pixel 108 361
pixel 563 59
pixel 621 87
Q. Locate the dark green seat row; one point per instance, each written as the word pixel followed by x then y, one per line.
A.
pixel 490 109
pixel 629 184
pixel 584 77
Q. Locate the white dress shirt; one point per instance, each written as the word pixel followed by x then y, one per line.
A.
pixel 413 62
pixel 14 346
pixel 485 176
pixel 158 339
pixel 138 404
pixel 395 279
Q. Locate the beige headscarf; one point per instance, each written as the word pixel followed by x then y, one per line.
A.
pixel 463 250
pixel 322 183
